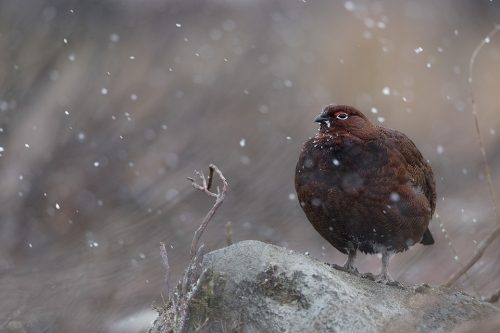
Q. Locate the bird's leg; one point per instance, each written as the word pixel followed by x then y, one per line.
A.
pixel 349 264
pixel 384 276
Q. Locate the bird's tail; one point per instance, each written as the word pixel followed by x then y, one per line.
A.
pixel 427 239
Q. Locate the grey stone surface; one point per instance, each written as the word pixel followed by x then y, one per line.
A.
pixel 256 287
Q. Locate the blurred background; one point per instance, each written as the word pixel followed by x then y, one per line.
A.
pixel 107 106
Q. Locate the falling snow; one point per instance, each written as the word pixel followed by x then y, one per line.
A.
pixel 229 25
pixel 349 6
pixel 394 197
pixel 386 91
pixel 171 194
pixel 245 160
pixel 242 142
pixel 369 23
pixel 115 38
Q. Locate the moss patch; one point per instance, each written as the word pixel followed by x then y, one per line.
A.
pixel 282 288
pixel 207 304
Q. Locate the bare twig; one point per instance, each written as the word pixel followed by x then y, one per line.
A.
pixel 184 318
pixel 176 314
pixel 193 271
pixel 164 257
pixel 484 244
pixel 210 178
pixel 454 252
pixel 494 297
pixel 219 198
pixel 229 233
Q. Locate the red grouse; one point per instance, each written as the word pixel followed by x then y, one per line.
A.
pixel 364 187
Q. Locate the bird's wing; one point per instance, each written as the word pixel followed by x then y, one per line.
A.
pixel 419 168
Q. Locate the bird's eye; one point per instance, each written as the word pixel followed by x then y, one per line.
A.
pixel 342 116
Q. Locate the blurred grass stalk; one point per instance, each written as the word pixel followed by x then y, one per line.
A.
pixel 485 243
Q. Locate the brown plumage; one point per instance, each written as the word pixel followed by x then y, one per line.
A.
pixel 364 187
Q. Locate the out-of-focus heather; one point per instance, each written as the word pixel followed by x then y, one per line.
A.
pixel 106 107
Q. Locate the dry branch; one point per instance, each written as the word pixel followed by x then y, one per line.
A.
pixel 176 313
pixel 164 257
pixel 219 198
pixel 484 244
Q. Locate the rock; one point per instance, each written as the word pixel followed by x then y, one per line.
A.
pixel 256 287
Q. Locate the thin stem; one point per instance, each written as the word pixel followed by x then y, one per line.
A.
pixel 219 198
pixel 229 233
pixel 164 257
pixel 483 245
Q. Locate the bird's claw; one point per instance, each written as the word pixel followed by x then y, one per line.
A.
pixel 382 278
pixel 346 268
pixel 386 279
pixel 350 269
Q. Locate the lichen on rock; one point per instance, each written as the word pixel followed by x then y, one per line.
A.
pixel 281 288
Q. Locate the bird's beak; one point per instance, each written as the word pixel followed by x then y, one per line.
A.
pixel 321 119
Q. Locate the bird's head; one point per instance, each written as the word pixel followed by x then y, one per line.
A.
pixel 336 118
